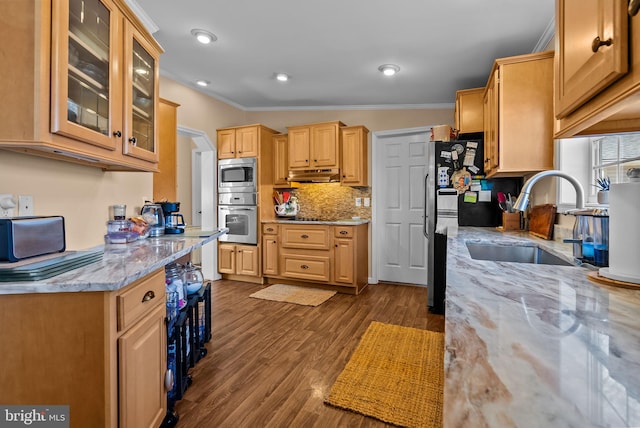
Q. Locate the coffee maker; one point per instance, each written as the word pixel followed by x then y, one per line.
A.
pixel 173 220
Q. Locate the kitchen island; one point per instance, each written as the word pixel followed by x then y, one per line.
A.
pixel 94 338
pixel 120 265
pixel 533 345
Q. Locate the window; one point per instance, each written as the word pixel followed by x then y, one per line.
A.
pixel 589 158
pixel 613 155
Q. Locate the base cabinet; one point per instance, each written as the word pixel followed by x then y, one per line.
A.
pixel 101 353
pixel 317 254
pixel 237 259
pixel 143 403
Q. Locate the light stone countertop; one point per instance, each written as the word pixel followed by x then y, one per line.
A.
pixel 531 345
pixel 120 265
pixel 345 222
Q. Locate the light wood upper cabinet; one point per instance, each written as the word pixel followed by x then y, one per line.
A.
pixel 592 41
pixel 280 160
pixel 140 97
pixel 468 115
pixel 518 100
pixel 239 142
pixel 72 90
pixel 354 171
pixel 165 180
pixel 314 146
pixel 596 93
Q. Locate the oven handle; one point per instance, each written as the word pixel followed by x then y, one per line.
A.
pixel 231 208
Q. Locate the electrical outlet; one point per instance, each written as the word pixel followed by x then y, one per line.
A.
pixel 6 205
pixel 25 205
pixel 358 202
pixel 367 202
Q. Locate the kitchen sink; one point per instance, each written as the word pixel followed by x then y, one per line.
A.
pixel 514 253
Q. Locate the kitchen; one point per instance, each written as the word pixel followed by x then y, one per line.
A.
pixel 83 194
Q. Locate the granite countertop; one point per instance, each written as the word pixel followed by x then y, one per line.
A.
pixel 120 265
pixel 345 222
pixel 531 345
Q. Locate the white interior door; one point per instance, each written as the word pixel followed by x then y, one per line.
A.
pixel 401 166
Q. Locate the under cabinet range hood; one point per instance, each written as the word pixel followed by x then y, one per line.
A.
pixel 328 175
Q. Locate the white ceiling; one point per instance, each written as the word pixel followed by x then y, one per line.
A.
pixel 332 48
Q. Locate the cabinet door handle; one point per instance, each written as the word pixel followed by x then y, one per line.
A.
pixel 595 45
pixel 148 296
pixel 133 140
pixel 304 236
pixel 117 134
pixel 304 267
pixel 169 380
pixel 634 5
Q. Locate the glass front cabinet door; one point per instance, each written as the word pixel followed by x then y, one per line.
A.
pixel 104 88
pixel 141 103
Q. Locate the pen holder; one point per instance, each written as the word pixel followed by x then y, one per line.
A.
pixel 511 221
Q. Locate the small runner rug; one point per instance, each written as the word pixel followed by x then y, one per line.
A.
pixel 396 375
pixel 299 295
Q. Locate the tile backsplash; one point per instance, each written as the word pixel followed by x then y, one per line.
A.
pixel 331 201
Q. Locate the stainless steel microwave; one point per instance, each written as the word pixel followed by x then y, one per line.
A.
pixel 237 175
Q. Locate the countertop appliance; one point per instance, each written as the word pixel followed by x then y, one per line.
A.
pixel 152 213
pixel 173 220
pixel 24 237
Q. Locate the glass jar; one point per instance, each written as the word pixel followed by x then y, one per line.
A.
pixel 193 278
pixel 175 278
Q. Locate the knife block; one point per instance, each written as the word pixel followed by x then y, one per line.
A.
pixel 511 221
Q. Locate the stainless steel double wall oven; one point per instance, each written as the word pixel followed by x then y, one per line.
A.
pixel 237 199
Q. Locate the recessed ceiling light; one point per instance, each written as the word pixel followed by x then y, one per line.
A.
pixel 389 69
pixel 282 77
pixel 203 36
pixel 203 83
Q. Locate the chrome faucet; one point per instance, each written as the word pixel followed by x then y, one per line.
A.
pixel 523 198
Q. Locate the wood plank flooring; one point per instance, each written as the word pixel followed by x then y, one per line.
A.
pixel 271 364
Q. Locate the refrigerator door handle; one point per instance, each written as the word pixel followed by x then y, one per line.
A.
pixel 425 217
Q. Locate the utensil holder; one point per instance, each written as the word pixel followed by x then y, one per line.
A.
pixel 511 221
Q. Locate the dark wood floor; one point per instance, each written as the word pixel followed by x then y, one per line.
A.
pixel 271 364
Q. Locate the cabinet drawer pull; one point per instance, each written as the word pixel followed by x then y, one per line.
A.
pixel 270 229
pixel 148 296
pixel 304 236
pixel 634 5
pixel 343 232
pixel 117 134
pixel 304 267
pixel 133 141
pixel 595 45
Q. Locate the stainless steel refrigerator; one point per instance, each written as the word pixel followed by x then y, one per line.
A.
pixel 451 167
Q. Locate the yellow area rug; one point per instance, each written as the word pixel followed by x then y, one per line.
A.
pixel 299 295
pixel 396 375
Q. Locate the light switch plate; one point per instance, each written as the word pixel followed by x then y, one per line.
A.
pixel 367 202
pixel 358 202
